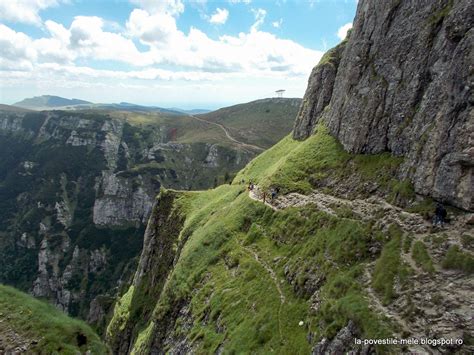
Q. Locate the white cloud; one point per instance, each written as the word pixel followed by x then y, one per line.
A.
pixel 25 11
pixel 259 18
pixel 159 28
pixel 277 24
pixel 342 31
pixel 88 39
pixel 170 7
pixel 170 55
pixel 16 52
pixel 219 17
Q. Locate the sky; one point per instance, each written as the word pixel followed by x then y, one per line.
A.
pixel 168 53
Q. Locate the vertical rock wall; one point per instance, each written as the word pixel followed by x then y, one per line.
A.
pixel 403 84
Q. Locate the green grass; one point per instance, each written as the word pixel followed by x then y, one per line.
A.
pixel 55 332
pixel 407 242
pixel 299 166
pixel 224 284
pixel 290 163
pixel 389 267
pixel 261 122
pixel 422 257
pixel 426 208
pixel 232 297
pixel 456 259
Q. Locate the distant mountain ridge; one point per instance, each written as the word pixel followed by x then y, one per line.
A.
pixel 45 101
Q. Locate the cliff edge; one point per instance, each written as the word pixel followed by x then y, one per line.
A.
pixel 402 83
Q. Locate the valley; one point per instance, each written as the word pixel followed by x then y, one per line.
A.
pixel 78 187
pixel 330 224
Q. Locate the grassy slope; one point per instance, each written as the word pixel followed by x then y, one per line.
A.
pixel 296 166
pixel 261 122
pixel 188 130
pixel 37 320
pixel 218 275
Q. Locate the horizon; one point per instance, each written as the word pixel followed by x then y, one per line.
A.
pixel 182 106
pixel 173 53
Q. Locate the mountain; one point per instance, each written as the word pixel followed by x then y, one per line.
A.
pixel 77 189
pixel 28 325
pixel 418 109
pixel 127 107
pixel 196 111
pixel 7 108
pixel 346 251
pixel 260 122
pixel 47 101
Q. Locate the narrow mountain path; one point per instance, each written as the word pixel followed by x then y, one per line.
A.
pixel 245 145
pixel 269 270
pixel 393 316
pixel 435 304
pixel 12 342
pixel 372 208
pixel 274 278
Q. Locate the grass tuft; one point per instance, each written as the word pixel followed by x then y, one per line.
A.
pixel 456 259
pixel 422 257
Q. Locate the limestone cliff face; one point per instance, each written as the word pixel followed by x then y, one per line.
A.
pixel 77 190
pixel 403 83
pixel 161 248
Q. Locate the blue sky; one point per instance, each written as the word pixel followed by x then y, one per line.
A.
pixel 167 52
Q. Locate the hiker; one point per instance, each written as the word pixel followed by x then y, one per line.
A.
pixel 274 193
pixel 250 186
pixel 440 215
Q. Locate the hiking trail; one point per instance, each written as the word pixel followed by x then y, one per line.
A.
pixel 242 144
pixel 435 304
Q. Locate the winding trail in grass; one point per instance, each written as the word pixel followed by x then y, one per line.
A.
pixel 451 285
pixel 245 145
pixel 11 342
pixel 274 278
pixel 269 270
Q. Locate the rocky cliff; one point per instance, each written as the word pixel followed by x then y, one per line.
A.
pixel 402 83
pixel 347 249
pixel 77 189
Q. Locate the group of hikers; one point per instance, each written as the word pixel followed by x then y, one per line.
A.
pixel 274 191
pixel 439 218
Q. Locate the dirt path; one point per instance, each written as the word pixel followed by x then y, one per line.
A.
pixel 245 145
pixel 431 305
pixel 274 278
pixel 377 304
pixel 269 270
pixel 373 208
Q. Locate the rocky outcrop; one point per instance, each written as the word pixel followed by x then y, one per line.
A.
pixel 403 84
pixel 122 200
pixel 160 247
pixel 342 343
pixel 318 93
pixel 77 190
